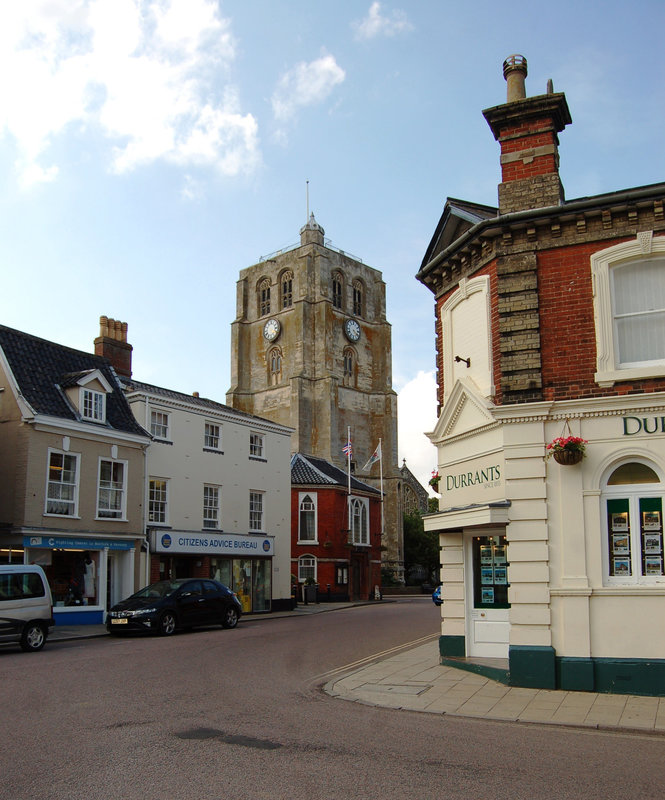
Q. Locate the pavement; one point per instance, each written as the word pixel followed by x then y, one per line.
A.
pixel 410 678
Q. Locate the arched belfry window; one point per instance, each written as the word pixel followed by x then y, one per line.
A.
pixel 350 366
pixel 358 298
pixel 275 366
pixel 632 507
pixel 264 297
pixel 338 290
pixel 286 283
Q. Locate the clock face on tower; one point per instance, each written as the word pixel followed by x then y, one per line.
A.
pixel 271 330
pixel 352 330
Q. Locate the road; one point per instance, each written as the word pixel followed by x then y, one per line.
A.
pixel 239 714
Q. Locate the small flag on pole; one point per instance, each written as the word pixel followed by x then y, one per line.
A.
pixel 376 456
pixel 348 448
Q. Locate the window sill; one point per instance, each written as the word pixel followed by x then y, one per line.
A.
pixel 61 516
pixel 162 441
pixel 213 450
pixel 111 519
pixel 612 376
pixel 258 458
pixel 312 542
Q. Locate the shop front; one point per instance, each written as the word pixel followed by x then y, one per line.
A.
pixel 244 563
pixel 87 574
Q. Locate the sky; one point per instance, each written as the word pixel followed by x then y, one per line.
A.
pixel 151 149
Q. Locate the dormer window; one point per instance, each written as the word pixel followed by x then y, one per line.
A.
pixel 93 405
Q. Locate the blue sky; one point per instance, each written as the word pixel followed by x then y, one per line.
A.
pixel 149 150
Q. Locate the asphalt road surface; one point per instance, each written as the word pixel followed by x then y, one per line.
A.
pixel 239 714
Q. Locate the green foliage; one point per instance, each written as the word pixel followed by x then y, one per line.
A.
pixel 421 548
pixel 388 577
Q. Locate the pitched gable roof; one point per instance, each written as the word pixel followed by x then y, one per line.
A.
pixel 311 471
pixel 457 218
pixel 43 369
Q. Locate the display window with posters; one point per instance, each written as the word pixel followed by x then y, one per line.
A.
pixel 250 579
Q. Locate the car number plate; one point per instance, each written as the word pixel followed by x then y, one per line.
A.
pixel 122 621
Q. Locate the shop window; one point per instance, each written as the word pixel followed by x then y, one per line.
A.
pixel 629 309
pixel 338 290
pixel 342 574
pixel 306 568
pixel 287 289
pixel 358 298
pixel 62 484
pixel 158 501
pixel 490 572
pixel 264 297
pixel 256 511
pixel 256 445
pixel 112 489
pixel 212 436
pixel 307 518
pixel 93 405
pixel 633 519
pixel 359 520
pixel 72 576
pixel 159 424
pixel 211 506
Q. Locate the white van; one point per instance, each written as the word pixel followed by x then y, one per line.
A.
pixel 26 607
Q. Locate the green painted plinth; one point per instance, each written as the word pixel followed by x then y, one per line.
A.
pixel 532 666
pixel 575 674
pixel 452 646
pixel 630 676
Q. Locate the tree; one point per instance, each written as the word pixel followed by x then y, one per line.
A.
pixel 421 549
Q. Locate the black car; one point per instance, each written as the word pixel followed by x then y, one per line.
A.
pixel 165 606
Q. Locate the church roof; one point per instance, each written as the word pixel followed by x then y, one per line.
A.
pixel 312 471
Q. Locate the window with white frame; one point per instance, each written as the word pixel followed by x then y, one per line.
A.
pixel 629 309
pixel 212 436
pixel 62 483
pixel 306 568
pixel 112 489
pixel 256 445
pixel 93 405
pixel 632 505
pixel 359 520
pixel 256 511
pixel 342 574
pixel 158 501
pixel 307 517
pixel 211 506
pixel 159 424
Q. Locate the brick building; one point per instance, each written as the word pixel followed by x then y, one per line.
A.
pixel 335 530
pixel 550 321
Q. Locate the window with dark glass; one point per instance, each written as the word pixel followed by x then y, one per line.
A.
pixel 287 290
pixel 337 296
pixel 264 297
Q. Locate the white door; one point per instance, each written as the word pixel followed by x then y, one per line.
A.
pixel 486 584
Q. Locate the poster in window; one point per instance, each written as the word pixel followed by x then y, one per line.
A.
pixel 653 565
pixel 620 545
pixel 500 576
pixel 487 595
pixel 622 566
pixel 500 554
pixel 486 575
pixel 651 520
pixel 652 544
pixel 620 521
pixel 485 554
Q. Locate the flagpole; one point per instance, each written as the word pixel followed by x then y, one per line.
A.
pixel 348 466
pixel 381 483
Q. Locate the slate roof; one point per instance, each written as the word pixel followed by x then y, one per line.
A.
pixel 311 471
pixel 458 217
pixel 203 402
pixel 42 370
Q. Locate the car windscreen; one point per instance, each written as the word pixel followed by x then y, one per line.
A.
pixel 161 589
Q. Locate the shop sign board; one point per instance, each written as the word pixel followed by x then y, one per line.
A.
pixel 479 480
pixel 211 543
pixel 649 425
pixel 77 543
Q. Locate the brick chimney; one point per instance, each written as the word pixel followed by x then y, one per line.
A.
pixel 112 344
pixel 527 128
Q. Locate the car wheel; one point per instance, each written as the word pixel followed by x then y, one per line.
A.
pixel 167 623
pixel 230 617
pixel 33 637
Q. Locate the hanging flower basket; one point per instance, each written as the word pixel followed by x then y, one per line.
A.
pixel 567 450
pixel 434 480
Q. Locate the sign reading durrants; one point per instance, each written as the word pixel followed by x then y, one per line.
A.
pixel 478 480
pixel 232 544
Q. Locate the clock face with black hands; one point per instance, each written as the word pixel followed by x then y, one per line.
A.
pixel 352 330
pixel 271 330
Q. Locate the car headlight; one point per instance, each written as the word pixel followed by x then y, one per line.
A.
pixel 141 612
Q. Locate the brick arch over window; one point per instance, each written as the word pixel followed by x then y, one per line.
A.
pixel 338 290
pixel 263 297
pixel 286 289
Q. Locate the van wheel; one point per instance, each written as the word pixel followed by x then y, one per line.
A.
pixel 33 637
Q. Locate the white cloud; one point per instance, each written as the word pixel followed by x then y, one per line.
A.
pixel 417 415
pixel 305 85
pixel 375 24
pixel 143 72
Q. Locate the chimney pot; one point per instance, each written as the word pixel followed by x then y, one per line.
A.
pixel 515 72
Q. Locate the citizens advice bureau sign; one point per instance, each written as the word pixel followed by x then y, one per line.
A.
pixel 479 480
pixel 212 543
